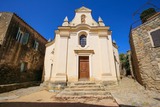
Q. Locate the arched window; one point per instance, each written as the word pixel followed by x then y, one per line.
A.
pixel 83 40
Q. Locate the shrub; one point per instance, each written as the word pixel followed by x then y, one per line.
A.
pixel 147 14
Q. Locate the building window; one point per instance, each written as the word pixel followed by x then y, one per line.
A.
pixel 23 67
pixel 36 44
pixel 83 40
pixel 19 35
pixel 22 37
pixel 25 38
pixel 156 38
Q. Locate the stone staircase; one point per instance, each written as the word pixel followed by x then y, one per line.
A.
pixel 84 89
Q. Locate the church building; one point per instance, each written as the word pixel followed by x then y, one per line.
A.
pixel 82 50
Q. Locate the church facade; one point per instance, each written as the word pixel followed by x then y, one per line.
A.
pixel 82 50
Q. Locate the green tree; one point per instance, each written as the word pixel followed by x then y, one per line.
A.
pixel 124 59
pixel 147 14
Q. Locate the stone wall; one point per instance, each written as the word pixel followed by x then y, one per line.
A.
pixel 5 19
pixel 10 87
pixel 21 62
pixel 130 63
pixel 145 57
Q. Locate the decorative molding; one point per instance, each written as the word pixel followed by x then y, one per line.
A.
pixel 60 74
pixel 106 74
pixel 64 33
pixel 84 51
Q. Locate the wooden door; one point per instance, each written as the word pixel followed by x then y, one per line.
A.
pixel 84 67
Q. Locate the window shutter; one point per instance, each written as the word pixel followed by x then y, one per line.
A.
pixel 22 66
pixel 18 33
pixel 156 37
pixel 25 38
pixel 37 44
pixel 21 37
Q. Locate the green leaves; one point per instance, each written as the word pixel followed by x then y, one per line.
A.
pixel 147 14
pixel 124 59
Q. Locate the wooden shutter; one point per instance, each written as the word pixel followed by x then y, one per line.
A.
pixel 21 37
pixel 36 44
pixel 18 33
pixel 156 38
pixel 22 66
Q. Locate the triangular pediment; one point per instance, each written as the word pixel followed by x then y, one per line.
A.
pixel 83 9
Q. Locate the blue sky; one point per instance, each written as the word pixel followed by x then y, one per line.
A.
pixel 46 15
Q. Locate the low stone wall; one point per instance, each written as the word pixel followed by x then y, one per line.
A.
pixel 10 74
pixel 10 87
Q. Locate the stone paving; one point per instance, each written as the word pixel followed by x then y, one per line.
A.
pixel 128 93
pixel 19 93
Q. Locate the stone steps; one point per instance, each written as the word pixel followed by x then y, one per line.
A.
pixel 85 92
pixel 84 83
pixel 85 86
pixel 84 96
pixel 84 89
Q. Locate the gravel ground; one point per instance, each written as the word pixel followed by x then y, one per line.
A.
pixel 127 93
pixel 130 92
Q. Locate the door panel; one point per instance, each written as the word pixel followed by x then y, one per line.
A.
pixel 83 67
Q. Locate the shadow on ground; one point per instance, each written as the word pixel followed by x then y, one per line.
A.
pixel 157 99
pixel 126 106
pixel 34 104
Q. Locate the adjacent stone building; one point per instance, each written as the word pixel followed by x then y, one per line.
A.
pixel 82 51
pixel 22 50
pixel 145 48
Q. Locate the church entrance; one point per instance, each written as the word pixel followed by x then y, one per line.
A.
pixel 83 68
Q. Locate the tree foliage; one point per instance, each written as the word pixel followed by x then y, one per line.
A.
pixel 124 59
pixel 146 14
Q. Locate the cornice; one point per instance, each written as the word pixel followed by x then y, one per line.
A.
pixel 83 26
pixel 64 31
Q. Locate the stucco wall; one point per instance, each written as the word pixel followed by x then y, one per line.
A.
pixel 67 50
pixel 65 59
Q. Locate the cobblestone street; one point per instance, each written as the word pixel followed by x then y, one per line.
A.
pixel 127 93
